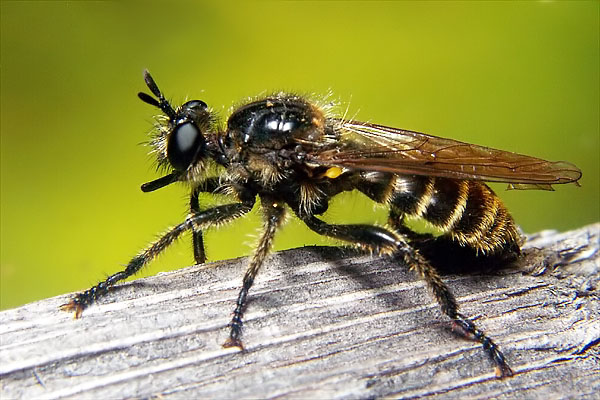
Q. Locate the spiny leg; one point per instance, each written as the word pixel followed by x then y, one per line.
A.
pixel 204 219
pixel 383 242
pixel 449 306
pixel 274 215
pixel 209 185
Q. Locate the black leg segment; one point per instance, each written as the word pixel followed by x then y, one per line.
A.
pixel 197 240
pixel 368 237
pixel 208 186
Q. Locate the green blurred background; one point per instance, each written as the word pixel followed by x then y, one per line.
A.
pixel 520 76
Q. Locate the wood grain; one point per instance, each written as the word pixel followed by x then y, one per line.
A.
pixel 321 323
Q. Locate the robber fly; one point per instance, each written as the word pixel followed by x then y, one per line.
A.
pixel 294 156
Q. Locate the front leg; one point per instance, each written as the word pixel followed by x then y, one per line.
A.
pixel 204 219
pixel 208 186
pixel 384 242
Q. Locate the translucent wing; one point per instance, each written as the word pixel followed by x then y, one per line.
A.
pixel 371 147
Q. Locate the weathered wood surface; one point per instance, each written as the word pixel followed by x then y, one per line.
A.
pixel 322 323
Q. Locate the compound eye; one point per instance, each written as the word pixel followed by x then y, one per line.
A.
pixel 184 143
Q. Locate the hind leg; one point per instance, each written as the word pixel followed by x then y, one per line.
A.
pixel 384 242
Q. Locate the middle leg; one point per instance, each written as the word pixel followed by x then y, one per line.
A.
pixel 274 215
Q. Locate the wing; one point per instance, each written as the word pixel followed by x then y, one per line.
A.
pixel 371 147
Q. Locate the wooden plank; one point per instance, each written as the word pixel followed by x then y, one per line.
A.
pixel 321 323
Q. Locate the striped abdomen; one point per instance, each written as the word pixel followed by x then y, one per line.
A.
pixel 468 211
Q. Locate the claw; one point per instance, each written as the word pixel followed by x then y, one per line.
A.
pixel 504 371
pixel 230 342
pixel 73 306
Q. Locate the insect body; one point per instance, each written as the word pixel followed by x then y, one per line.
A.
pixel 295 157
